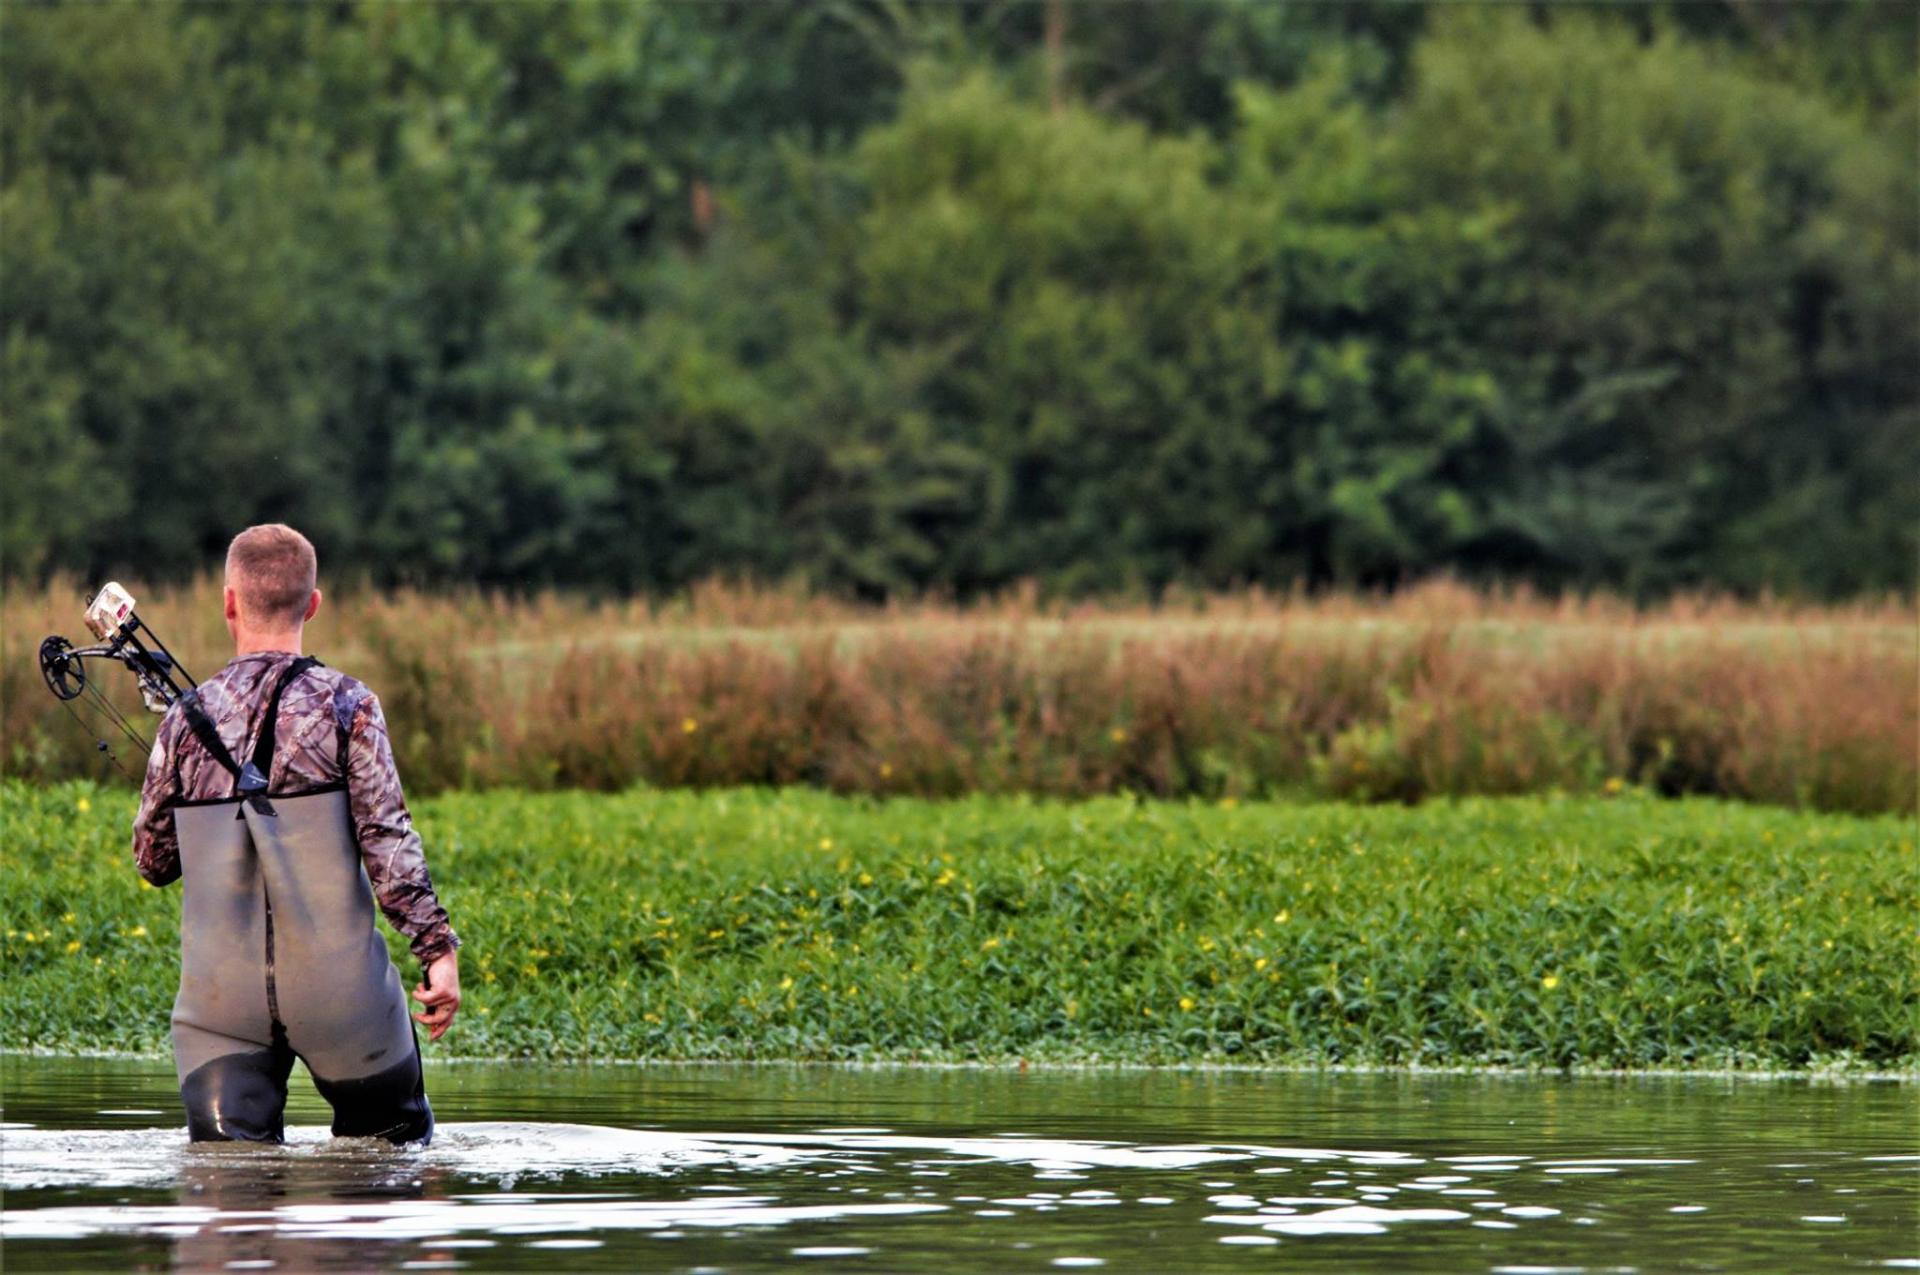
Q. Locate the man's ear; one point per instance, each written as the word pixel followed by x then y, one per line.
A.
pixel 231 602
pixel 313 607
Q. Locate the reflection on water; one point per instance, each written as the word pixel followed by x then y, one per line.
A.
pixel 752 1168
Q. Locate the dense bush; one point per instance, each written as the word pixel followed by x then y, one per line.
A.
pixel 624 295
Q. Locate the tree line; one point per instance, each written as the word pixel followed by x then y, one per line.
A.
pixel 891 297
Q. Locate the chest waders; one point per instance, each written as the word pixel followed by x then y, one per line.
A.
pixel 279 959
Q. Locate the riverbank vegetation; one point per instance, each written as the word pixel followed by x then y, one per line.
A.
pixel 1622 932
pixel 1429 691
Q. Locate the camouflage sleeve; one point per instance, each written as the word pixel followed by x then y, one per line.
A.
pixel 156 846
pixel 396 862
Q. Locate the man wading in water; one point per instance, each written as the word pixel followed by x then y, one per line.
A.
pixel 272 796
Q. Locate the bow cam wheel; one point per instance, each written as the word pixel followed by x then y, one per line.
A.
pixel 61 668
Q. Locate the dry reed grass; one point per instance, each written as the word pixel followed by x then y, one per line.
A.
pixel 1438 689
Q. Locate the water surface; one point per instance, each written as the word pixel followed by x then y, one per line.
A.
pixel 758 1168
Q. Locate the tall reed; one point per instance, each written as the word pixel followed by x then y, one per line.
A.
pixel 1431 690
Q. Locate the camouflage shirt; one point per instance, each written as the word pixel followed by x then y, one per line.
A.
pixel 330 731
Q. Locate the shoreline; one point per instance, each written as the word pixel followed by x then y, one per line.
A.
pixel 1018 1066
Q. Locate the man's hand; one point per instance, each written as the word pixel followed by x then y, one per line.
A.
pixel 440 994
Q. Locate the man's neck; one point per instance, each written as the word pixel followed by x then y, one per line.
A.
pixel 255 643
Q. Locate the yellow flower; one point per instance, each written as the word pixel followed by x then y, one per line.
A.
pixel 1118 735
pixel 1228 803
pixel 716 934
pixel 485 1010
pixel 651 1017
pixel 31 937
pixel 826 843
pixel 688 726
pixel 73 947
pixel 945 878
pixel 1550 982
pixel 866 878
pixel 786 982
pixel 1615 786
pixel 1282 917
pixel 1260 964
pixel 83 805
pixel 1186 1002
pixel 138 931
pixel 987 946
pixel 68 919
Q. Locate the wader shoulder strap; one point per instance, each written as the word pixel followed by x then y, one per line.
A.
pixel 250 779
pixel 203 730
pixel 254 775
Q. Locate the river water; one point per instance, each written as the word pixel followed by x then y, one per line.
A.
pixel 757 1168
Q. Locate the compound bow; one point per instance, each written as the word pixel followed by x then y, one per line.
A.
pixel 124 638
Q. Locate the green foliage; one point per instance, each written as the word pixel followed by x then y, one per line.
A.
pixel 755 924
pixel 889 297
pixel 1669 318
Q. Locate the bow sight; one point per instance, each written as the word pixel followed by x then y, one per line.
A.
pixel 125 639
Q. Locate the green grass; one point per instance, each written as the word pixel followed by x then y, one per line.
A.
pixel 797 925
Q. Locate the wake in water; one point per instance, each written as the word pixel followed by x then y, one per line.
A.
pixel 370 1190
pixel 500 1152
pixel 764 1198
pixel 506 1152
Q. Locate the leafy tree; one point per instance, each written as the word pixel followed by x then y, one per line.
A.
pixel 890 296
pixel 1677 344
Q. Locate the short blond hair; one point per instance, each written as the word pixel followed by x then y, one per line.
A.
pixel 272 571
